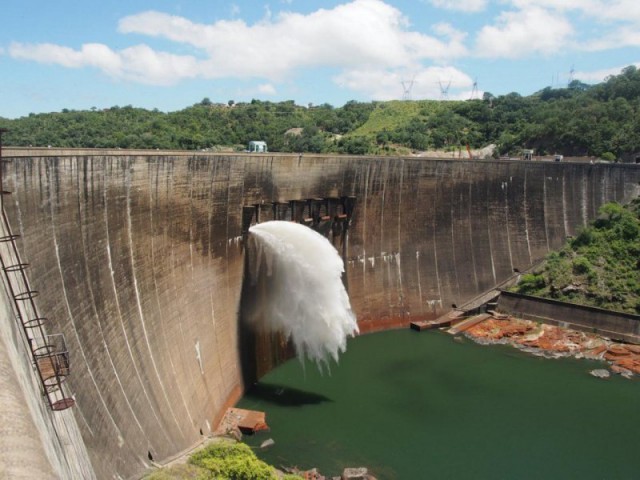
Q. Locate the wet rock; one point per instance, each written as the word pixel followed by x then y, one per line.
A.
pixel 360 473
pixel 600 373
pixel 626 373
pixel 267 443
pixel 312 474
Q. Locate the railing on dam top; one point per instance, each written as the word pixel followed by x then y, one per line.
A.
pixel 48 351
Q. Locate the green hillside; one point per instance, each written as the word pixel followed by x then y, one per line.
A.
pixel 396 114
pixel 599 267
pixel 581 120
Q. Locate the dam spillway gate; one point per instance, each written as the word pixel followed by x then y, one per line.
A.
pixel 328 216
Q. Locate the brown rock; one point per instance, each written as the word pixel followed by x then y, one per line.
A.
pixel 617 351
pixel 634 348
pixel 632 364
pixel 360 473
pixel 596 352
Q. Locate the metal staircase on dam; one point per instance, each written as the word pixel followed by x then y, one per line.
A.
pixel 49 353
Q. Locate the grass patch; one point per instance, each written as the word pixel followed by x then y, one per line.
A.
pixel 396 114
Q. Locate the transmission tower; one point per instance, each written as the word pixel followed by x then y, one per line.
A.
pixel 407 85
pixel 572 72
pixel 474 90
pixel 444 90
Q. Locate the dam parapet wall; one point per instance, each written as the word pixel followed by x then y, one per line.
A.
pixel 139 260
pixel 616 325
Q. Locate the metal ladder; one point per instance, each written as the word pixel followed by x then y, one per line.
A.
pixel 50 356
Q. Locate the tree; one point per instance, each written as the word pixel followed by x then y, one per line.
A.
pixel 578 86
pixel 602 119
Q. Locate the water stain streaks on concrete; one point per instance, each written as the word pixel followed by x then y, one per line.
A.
pixel 139 260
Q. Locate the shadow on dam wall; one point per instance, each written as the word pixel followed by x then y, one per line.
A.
pixel 139 262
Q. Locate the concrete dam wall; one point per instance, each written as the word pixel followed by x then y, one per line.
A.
pixel 139 261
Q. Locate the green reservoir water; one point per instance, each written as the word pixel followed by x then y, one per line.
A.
pixel 413 405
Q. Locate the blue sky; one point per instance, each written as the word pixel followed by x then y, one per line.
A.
pixel 80 54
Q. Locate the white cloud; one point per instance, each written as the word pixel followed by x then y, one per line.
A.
pixel 46 53
pixel 597 76
pixel 138 63
pixel 361 34
pixel 622 36
pixel 602 10
pixel 460 5
pixel 273 48
pixel 520 33
pixel 626 10
pixel 428 82
pixel 616 23
pixel 266 89
pixel 446 30
pixel 561 5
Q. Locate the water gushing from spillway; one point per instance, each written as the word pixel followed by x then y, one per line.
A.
pixel 299 291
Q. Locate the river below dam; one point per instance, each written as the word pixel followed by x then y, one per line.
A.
pixel 413 405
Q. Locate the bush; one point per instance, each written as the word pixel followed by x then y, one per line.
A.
pixel 530 283
pixel 608 156
pixel 233 461
pixel 584 238
pixel 581 266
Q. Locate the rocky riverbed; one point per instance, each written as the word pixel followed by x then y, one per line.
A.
pixel 554 342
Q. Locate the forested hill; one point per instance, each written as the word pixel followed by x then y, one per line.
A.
pixel 602 120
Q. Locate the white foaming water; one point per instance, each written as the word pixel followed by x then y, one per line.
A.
pixel 300 290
